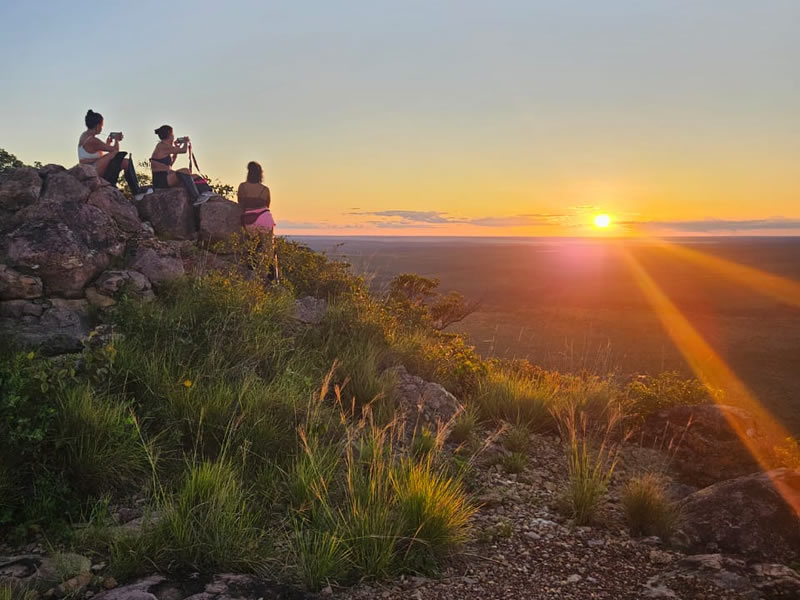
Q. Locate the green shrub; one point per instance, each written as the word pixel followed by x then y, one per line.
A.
pixel 423 444
pixel 320 557
pixel 648 509
pixel 649 394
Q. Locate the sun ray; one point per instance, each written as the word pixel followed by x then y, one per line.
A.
pixel 712 370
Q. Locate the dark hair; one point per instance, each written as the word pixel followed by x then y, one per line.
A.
pixel 93 119
pixel 163 132
pixel 255 174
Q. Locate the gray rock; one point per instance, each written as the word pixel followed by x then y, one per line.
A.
pixel 310 310
pixel 158 261
pixel 133 283
pixel 138 590
pixel 707 448
pixel 170 213
pixel 42 572
pixel 114 203
pixel 218 219
pixel 755 516
pixel 19 188
pixel 15 285
pixel 421 402
pixel 55 325
pixel 63 185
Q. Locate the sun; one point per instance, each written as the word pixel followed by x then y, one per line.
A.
pixel 602 221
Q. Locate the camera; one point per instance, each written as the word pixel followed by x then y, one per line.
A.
pixel 115 135
pixel 182 140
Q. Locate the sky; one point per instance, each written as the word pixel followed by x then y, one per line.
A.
pixel 436 117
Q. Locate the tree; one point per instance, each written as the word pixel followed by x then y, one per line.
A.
pixel 8 161
pixel 415 299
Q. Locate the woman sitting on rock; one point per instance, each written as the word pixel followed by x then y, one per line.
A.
pixel 106 158
pixel 255 200
pixel 162 160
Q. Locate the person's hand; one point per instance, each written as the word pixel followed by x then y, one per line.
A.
pixel 121 136
pixel 108 141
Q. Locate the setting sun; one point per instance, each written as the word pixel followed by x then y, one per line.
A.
pixel 602 221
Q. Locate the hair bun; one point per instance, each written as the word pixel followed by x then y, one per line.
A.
pixel 89 112
pixel 156 131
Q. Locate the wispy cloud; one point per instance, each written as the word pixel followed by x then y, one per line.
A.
pixel 718 225
pixel 414 218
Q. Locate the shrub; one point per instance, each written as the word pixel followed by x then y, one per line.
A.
pixel 648 394
pixel 320 556
pixel 647 508
pixel 423 444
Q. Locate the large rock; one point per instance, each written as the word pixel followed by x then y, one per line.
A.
pixel 756 516
pixel 226 586
pixel 19 188
pixel 114 203
pixel 160 262
pixel 15 286
pixel 218 219
pixel 41 572
pixel 115 283
pixel 55 325
pixel 704 442
pixel 87 175
pixel 420 402
pixel 61 239
pixel 170 212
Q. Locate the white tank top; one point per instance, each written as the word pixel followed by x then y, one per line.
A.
pixel 84 154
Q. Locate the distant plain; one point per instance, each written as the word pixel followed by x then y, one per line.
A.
pixel 572 304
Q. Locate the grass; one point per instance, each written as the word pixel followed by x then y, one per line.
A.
pixel 517 399
pixel 463 427
pixel 648 509
pixel 592 453
pixel 515 462
pixel 516 439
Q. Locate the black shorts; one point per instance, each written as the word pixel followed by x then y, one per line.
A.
pixel 160 179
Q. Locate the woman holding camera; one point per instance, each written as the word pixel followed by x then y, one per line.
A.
pixel 255 199
pixel 162 159
pixel 106 158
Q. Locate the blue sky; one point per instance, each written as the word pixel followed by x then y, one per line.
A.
pixel 369 115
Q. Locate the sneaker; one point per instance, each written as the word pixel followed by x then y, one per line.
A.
pixel 203 198
pixel 138 197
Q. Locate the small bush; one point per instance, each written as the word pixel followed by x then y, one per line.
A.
pixel 320 557
pixel 423 444
pixel 649 394
pixel 647 508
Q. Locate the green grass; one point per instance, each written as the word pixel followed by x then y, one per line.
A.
pixel 517 399
pixel 463 427
pixel 648 509
pixel 515 462
pixel 516 439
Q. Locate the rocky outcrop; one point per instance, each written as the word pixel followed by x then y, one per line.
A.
pixel 160 262
pixel 19 189
pixel 112 202
pixel 704 441
pixel 218 219
pixel 756 515
pixel 16 286
pixel 170 212
pixel 225 586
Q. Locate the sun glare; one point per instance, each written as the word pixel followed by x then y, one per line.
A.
pixel 602 221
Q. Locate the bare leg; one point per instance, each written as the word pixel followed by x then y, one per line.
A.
pixel 101 164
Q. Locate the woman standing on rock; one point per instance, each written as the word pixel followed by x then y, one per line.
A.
pixel 107 158
pixel 163 158
pixel 254 197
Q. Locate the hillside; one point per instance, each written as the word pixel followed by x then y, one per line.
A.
pixel 175 424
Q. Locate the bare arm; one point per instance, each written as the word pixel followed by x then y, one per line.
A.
pixel 92 144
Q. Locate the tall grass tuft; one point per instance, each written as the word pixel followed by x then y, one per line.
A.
pixel 99 443
pixel 517 399
pixel 648 509
pixel 592 455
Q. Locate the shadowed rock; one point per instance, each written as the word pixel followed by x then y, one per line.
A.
pixel 170 213
pixel 14 285
pixel 19 188
pixel 219 219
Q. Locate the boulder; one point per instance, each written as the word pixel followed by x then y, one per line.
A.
pixel 113 284
pixel 226 586
pixel 310 310
pixel 114 203
pixel 15 285
pixel 170 213
pixel 55 325
pixel 218 219
pixel 49 169
pixel 19 188
pixel 42 572
pixel 160 262
pixel 87 175
pixel 705 445
pixel 421 402
pixel 61 239
pixel 755 515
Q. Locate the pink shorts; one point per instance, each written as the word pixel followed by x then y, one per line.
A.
pixel 258 219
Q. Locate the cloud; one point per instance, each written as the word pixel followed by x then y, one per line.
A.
pixel 415 218
pixel 718 225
